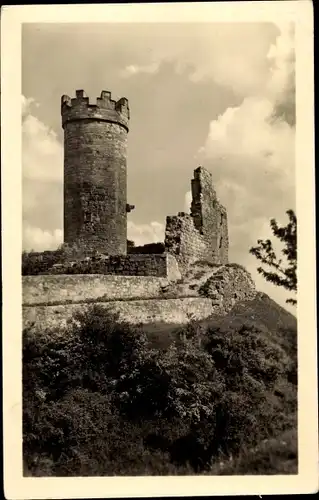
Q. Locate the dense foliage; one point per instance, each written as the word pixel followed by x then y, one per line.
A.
pixel 148 248
pixel 103 399
pixel 283 274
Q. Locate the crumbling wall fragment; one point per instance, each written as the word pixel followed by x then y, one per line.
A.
pixel 230 284
pixel 210 217
pixel 184 241
pixel 202 235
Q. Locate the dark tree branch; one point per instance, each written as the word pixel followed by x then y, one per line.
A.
pixel 281 275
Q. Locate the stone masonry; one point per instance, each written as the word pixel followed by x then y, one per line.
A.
pixel 95 193
pixel 93 265
pixel 95 143
pixel 202 235
pixel 210 217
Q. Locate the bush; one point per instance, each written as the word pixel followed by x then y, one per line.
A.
pixel 34 263
pixel 270 456
pixel 104 401
pixel 148 248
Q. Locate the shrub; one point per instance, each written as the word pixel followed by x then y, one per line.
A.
pixel 274 456
pixel 81 435
pixel 148 248
pixel 223 390
pixel 98 350
pixel 246 352
pixel 104 401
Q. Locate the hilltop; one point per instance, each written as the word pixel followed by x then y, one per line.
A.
pixel 213 396
pixel 261 311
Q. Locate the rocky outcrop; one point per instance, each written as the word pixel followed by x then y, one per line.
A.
pixel 227 286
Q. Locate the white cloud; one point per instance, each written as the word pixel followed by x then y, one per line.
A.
pixel 187 202
pixel 282 57
pixel 145 233
pixel 134 69
pixel 250 152
pixel 245 134
pixel 42 170
pixel 37 239
pixel 26 104
pixel 42 153
pixel 231 54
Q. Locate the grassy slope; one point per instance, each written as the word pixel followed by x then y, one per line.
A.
pixel 277 455
pixel 263 312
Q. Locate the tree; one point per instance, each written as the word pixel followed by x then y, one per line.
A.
pixel 284 274
pixel 130 244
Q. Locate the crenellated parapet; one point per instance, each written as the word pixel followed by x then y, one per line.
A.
pixel 105 109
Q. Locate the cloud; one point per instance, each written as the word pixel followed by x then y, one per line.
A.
pixel 250 152
pixel 42 170
pixel 26 104
pixel 145 233
pixel 134 69
pixel 230 54
pixel 187 202
pixel 42 152
pixel 281 84
pixel 37 239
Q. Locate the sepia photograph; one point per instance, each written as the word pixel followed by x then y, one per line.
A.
pixel 159 267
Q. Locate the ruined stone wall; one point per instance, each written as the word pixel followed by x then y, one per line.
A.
pixel 95 190
pixel 203 235
pixel 124 279
pixel 55 263
pixel 230 284
pixel 210 217
pixel 160 265
pixel 50 301
pixel 137 265
pixel 64 289
pixel 184 241
pixel 172 311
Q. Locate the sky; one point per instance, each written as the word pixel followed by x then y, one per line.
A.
pixel 220 95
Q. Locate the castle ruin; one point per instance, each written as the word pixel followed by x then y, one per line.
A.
pixel 95 193
pixel 94 264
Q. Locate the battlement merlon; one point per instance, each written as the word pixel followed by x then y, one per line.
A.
pixel 105 109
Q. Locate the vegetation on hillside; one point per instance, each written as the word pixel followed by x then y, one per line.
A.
pixel 281 274
pixel 107 399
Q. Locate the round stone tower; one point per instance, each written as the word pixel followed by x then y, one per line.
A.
pixel 95 145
